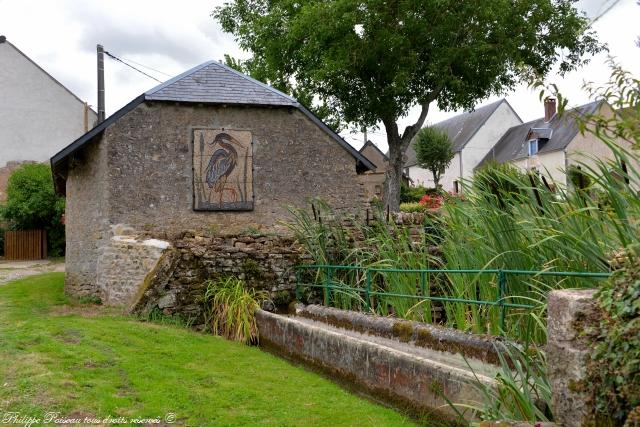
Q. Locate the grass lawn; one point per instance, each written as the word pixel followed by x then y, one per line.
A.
pixel 82 360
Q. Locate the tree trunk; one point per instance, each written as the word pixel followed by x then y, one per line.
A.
pixel 394 175
pixel 397 147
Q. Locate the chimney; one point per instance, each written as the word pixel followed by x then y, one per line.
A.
pixel 549 108
pixel 3 39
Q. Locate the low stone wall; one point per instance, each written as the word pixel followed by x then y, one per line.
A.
pixel 413 377
pixel 424 335
pixel 264 261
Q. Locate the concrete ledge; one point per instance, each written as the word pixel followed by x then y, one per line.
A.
pixel 437 338
pixel 398 372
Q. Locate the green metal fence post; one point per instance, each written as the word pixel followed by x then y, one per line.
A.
pixel 367 290
pixel 423 283
pixel 327 289
pixel 502 284
pixel 298 291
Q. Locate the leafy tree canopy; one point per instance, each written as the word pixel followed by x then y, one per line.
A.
pixel 33 204
pixel 433 151
pixel 370 61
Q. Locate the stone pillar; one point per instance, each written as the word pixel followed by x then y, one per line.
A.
pixel 567 353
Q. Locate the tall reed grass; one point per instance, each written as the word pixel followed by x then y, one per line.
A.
pixel 230 308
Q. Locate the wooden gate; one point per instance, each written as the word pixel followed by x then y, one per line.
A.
pixel 25 245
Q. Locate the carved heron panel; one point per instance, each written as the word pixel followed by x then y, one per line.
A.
pixel 222 169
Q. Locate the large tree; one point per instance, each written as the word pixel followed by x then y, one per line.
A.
pixel 370 61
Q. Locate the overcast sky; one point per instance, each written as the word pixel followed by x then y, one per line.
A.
pixel 170 37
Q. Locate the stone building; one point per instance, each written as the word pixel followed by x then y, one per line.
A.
pixel 212 152
pixel 38 115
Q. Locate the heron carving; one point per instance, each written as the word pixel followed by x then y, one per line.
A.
pixel 222 163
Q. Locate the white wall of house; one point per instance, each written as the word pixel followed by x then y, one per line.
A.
pixel 583 150
pixel 552 165
pixel 465 161
pixel 38 116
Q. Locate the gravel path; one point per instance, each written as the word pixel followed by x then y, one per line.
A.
pixel 12 270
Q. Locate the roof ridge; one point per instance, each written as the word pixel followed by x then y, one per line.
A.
pixel 251 79
pixel 180 76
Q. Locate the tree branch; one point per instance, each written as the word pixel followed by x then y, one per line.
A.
pixel 412 130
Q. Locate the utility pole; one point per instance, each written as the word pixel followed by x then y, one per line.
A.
pixel 365 135
pixel 100 50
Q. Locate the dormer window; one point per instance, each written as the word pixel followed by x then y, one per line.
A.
pixel 533 147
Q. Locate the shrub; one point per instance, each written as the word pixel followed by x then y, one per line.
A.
pixel 412 207
pixel 230 309
pixel 614 369
pixel 411 194
pixel 33 204
pixel 431 201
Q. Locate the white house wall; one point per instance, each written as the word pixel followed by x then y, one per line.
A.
pixel 38 117
pixel 502 119
pixel 476 149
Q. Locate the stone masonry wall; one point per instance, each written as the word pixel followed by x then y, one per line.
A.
pixel 264 261
pixel 139 173
pixel 150 168
pixel 87 225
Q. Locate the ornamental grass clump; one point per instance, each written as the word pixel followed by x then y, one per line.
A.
pixel 230 309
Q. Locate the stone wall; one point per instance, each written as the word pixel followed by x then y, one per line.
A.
pixel 86 222
pixel 150 168
pixel 139 173
pixel 264 261
pixel 567 354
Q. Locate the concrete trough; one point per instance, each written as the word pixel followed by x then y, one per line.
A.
pixel 399 372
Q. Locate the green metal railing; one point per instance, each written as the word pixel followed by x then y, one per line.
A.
pixel 368 292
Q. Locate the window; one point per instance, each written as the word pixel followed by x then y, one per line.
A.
pixel 533 147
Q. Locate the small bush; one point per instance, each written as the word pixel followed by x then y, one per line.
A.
pixel 431 201
pixel 33 204
pixel 614 369
pixel 230 309
pixel 411 194
pixel 412 207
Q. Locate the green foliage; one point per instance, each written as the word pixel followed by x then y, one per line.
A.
pixel 230 309
pixel 33 204
pixel 577 178
pixel 522 391
pixel 614 369
pixel 411 194
pixel 434 151
pixel 412 207
pixel 330 240
pixel 369 62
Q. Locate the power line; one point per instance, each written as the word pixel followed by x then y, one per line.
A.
pixel 131 66
pixel 145 66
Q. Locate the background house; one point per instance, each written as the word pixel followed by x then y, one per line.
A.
pixel 472 134
pixel 210 151
pixel 550 144
pixel 38 115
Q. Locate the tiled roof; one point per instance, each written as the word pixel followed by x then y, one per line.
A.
pixel 216 83
pixel 513 144
pixel 460 128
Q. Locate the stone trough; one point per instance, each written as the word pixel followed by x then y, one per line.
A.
pixel 410 364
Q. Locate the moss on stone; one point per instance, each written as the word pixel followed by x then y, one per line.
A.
pixel 403 330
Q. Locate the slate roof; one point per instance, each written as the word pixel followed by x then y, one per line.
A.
pixel 513 144
pixel 216 83
pixel 208 83
pixel 460 128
